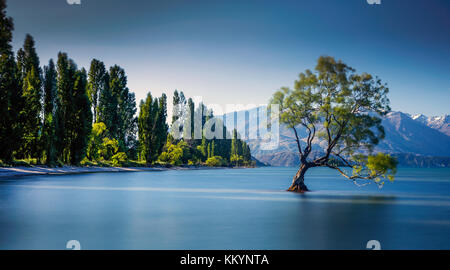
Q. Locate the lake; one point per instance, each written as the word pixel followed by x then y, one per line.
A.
pixel 224 209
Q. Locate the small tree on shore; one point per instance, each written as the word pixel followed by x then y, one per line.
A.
pixel 343 109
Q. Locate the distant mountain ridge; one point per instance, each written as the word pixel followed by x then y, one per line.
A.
pixel 440 123
pixel 416 140
pixel 406 135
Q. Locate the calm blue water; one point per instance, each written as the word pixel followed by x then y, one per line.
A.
pixel 224 209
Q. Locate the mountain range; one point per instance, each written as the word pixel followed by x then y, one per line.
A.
pixel 441 123
pixel 416 140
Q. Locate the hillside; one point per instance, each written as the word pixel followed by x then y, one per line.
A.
pixel 417 141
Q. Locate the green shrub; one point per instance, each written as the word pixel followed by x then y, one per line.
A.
pixel 237 160
pixel 86 162
pixel 108 148
pixel 95 141
pixel 119 159
pixel 22 163
pixel 177 154
pixel 216 161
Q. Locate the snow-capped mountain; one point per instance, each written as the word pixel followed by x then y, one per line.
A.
pixel 406 135
pixel 417 140
pixel 440 123
pixel 421 118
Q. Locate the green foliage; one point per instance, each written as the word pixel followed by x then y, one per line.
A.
pixel 73 115
pixel 174 155
pixel 65 111
pixel 98 133
pixel 191 114
pixel 98 130
pixel 48 130
pixel 64 115
pixel 382 165
pixel 96 84
pixel 10 91
pixel 237 160
pixel 153 129
pixel 116 105
pixel 30 75
pixel 240 152
pixel 375 167
pixel 107 105
pixel 179 154
pixel 203 148
pixel 246 154
pixel 207 148
pixel 108 148
pixel 216 161
pixel 179 103
pixel 124 129
pixel 82 124
pixel 341 107
pixel 119 159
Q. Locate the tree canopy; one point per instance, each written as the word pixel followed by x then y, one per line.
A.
pixel 10 90
pixel 342 108
pixel 63 114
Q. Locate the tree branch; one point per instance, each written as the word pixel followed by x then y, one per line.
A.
pixel 298 142
pixel 343 159
pixel 354 178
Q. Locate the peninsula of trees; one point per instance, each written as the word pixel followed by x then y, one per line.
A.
pixel 62 114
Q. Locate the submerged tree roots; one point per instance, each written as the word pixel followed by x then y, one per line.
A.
pixel 300 188
pixel 298 183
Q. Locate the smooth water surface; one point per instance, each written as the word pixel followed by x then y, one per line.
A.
pixel 224 209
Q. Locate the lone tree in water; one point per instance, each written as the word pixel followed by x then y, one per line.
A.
pixel 342 109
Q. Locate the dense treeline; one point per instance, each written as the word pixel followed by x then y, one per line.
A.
pixel 192 150
pixel 62 114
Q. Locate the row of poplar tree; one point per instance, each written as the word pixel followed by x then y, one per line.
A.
pixel 48 113
pixel 191 150
pixel 62 114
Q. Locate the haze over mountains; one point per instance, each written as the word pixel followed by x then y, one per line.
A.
pixel 416 140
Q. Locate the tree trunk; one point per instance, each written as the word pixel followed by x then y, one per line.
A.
pixel 298 183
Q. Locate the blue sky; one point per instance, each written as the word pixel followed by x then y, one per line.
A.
pixel 242 51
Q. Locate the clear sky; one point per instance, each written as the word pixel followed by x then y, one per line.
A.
pixel 242 51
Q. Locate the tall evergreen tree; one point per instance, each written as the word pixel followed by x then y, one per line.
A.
pixel 191 114
pixel 152 127
pixel 179 106
pixel 31 75
pixel 147 123
pixel 65 112
pixel 129 124
pixel 96 84
pixel 117 85
pixel 176 107
pixel 107 106
pixel 82 122
pixel 10 91
pixel 246 154
pixel 122 129
pixel 162 127
pixel 234 144
pixel 49 125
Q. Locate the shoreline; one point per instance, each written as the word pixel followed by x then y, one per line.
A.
pixel 22 171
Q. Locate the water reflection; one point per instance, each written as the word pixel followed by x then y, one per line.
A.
pixel 233 209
